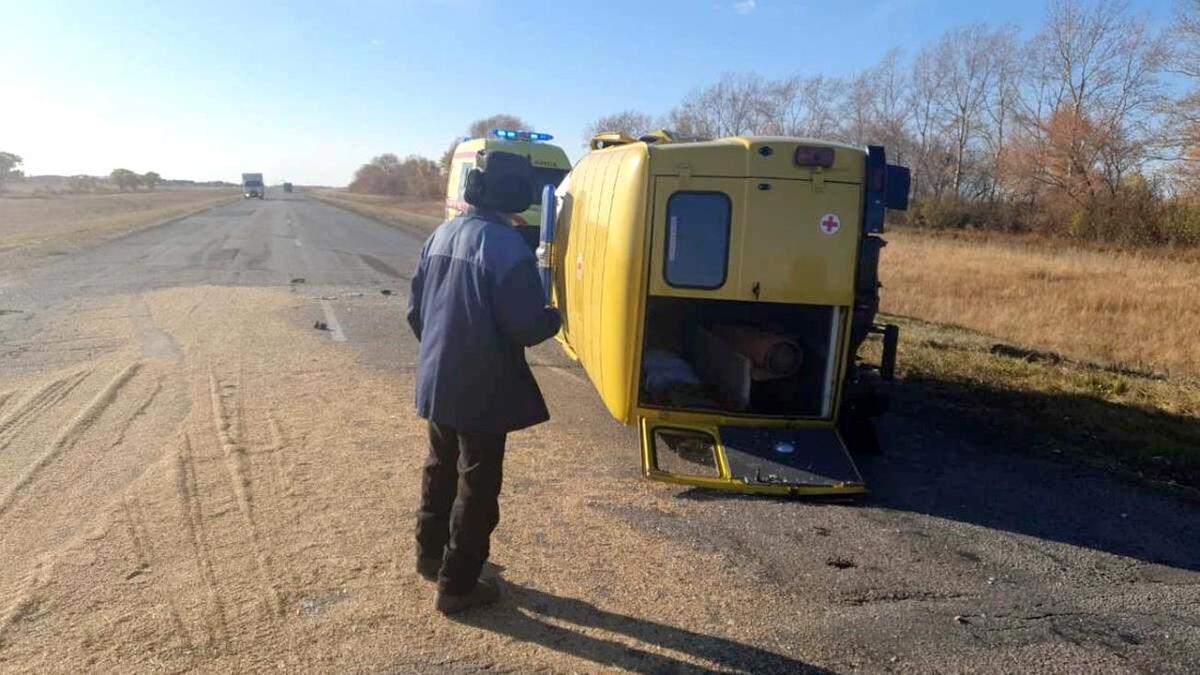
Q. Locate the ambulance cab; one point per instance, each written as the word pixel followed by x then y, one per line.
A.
pixel 550 165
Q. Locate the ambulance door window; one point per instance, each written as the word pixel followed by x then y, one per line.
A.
pixel 462 179
pixel 697 246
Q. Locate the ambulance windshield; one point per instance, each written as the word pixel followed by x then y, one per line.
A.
pixel 543 176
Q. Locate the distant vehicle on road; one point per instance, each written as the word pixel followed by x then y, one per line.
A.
pixel 550 164
pixel 252 186
pixel 287 187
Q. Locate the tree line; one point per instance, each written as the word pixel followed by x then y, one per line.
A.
pixel 123 179
pixel 419 177
pixel 1088 128
pixel 1074 131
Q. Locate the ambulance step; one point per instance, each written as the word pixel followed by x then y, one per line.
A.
pixel 799 457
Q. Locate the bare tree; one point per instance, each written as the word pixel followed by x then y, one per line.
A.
pixel 1182 129
pixel 737 104
pixel 807 106
pixel 1002 103
pixel 480 128
pixel 633 122
pixel 1096 82
pixel 929 153
pixel 963 57
pixel 483 127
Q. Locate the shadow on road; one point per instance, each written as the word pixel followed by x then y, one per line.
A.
pixel 525 614
pixel 961 451
pixel 972 454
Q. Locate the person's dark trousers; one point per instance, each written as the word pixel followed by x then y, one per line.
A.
pixel 460 492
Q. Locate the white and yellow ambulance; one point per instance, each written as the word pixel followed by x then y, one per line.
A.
pixel 550 164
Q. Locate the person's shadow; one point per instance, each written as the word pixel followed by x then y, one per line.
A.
pixel 523 612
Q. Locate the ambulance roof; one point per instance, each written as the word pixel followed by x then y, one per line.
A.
pixel 540 153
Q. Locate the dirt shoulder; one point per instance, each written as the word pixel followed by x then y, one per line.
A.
pixel 418 217
pixel 33 228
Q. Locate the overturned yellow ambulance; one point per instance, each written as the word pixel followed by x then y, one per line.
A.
pixel 716 294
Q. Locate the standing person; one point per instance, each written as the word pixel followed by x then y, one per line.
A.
pixel 476 304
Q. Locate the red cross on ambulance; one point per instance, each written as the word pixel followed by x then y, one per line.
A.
pixel 830 223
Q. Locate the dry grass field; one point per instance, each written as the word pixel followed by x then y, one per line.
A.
pixel 419 217
pixel 34 227
pixel 1069 351
pixel 1139 310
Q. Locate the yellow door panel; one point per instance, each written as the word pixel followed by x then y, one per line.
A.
pixel 803 242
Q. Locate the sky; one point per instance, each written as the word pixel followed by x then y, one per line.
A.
pixel 309 91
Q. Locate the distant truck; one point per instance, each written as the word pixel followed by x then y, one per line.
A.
pixel 287 187
pixel 252 185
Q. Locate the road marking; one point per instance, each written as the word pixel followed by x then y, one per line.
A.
pixel 331 320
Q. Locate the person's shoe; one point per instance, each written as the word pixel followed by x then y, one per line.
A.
pixel 428 568
pixel 484 593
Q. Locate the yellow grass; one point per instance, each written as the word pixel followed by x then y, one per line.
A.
pixel 32 227
pixel 1137 309
pixel 418 216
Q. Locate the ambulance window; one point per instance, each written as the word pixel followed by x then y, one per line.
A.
pixel 462 179
pixel 697 239
pixel 543 176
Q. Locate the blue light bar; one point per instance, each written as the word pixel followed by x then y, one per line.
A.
pixel 510 135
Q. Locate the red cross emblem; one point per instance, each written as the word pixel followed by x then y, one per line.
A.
pixel 830 223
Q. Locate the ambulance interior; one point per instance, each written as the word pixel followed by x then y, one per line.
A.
pixel 748 358
pixel 745 357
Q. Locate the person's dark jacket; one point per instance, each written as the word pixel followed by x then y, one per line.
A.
pixel 476 304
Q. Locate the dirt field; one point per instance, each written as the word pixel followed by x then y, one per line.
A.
pixel 32 228
pixel 418 216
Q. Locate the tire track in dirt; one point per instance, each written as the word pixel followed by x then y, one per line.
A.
pixel 284 470
pixel 70 434
pixel 143 548
pixel 4 396
pixel 188 491
pixel 38 402
pixel 27 602
pixel 228 428
pixel 140 411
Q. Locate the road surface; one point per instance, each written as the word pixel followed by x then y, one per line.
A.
pixel 193 476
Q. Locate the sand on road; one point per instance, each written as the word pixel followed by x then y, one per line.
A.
pixel 222 489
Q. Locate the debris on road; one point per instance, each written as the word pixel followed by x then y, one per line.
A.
pixel 298 280
pixel 840 563
pixel 386 291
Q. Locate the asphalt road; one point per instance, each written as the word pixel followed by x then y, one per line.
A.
pixel 968 554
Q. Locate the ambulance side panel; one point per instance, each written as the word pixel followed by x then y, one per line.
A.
pixel 599 268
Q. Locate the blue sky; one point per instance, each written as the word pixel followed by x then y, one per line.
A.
pixel 309 91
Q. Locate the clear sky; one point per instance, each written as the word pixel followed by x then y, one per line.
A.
pixel 309 91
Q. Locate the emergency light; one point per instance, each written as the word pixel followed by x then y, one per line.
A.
pixel 510 135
